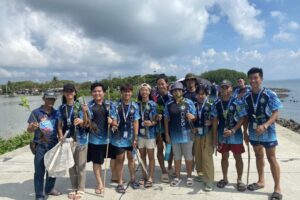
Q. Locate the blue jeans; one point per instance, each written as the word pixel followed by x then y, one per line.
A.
pixel 39 172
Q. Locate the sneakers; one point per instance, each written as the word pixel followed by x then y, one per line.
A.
pixel 208 187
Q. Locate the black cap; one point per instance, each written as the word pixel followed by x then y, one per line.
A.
pixel 69 87
pixel 49 95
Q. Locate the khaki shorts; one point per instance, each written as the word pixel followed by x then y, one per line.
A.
pixel 146 143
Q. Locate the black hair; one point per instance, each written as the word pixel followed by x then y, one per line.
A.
pixel 202 88
pixel 162 76
pixel 255 70
pixel 126 86
pixel 64 100
pixel 98 84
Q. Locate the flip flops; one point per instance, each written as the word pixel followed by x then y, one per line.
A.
pixel 276 196
pixel 72 195
pixel 135 185
pixel 148 184
pixel 79 195
pixel 254 186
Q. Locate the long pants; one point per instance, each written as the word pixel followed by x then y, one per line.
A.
pixel 203 151
pixel 77 172
pixel 39 172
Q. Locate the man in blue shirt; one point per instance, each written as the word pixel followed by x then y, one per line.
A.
pixel 102 113
pixel 190 83
pixel 229 114
pixel 43 122
pixel 124 139
pixel 162 98
pixel 242 89
pixel 262 107
pixel 179 114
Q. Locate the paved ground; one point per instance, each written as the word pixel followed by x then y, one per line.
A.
pixel 16 173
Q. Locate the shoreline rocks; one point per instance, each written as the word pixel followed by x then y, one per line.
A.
pixel 290 124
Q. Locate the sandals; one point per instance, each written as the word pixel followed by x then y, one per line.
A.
pixel 241 187
pixel 254 186
pixel 199 178
pixel 222 183
pixel 54 192
pixel 135 185
pixel 148 184
pixel 189 182
pixel 276 196
pixel 120 189
pixel 99 190
pixel 72 194
pixel 142 181
pixel 79 195
pixel 175 182
pixel 165 178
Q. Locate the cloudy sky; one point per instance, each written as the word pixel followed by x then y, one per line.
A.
pixel 88 40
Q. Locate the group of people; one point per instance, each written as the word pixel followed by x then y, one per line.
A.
pixel 184 116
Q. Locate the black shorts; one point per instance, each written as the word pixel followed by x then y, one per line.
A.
pixel 97 153
pixel 118 150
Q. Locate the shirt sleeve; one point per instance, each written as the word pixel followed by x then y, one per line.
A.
pixel 113 111
pixel 136 113
pixel 32 118
pixel 240 107
pixel 274 102
pixel 214 112
pixel 166 112
pixel 192 108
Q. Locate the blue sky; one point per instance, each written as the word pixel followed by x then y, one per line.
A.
pixel 90 40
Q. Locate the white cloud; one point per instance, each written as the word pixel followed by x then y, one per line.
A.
pixel 284 36
pixel 242 16
pixel 292 25
pixel 277 14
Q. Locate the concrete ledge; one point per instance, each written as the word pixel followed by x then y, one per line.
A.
pixel 16 182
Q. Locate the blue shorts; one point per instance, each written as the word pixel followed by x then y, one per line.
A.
pixel 264 144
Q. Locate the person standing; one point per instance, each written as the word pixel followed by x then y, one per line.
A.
pixel 124 138
pixel 179 114
pixel 73 118
pixel 263 106
pixel 162 97
pixel 203 144
pixel 229 114
pixel 190 83
pixel 43 123
pixel 102 113
pixel 147 135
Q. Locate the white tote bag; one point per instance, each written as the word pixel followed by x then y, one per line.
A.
pixel 59 159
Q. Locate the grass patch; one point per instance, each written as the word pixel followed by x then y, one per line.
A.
pixel 7 145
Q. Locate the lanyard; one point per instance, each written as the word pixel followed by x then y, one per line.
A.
pixel 143 111
pixel 200 110
pixel 255 105
pixel 128 110
pixel 69 115
pixel 225 112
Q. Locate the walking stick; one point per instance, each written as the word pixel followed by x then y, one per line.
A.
pixel 108 136
pixel 141 162
pixel 248 170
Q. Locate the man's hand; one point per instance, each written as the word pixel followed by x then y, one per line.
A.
pixel 78 121
pixel 227 133
pixel 134 143
pixel 109 120
pixel 190 116
pixel 147 123
pixel 33 126
pixel 260 130
pixel 158 117
pixel 207 123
